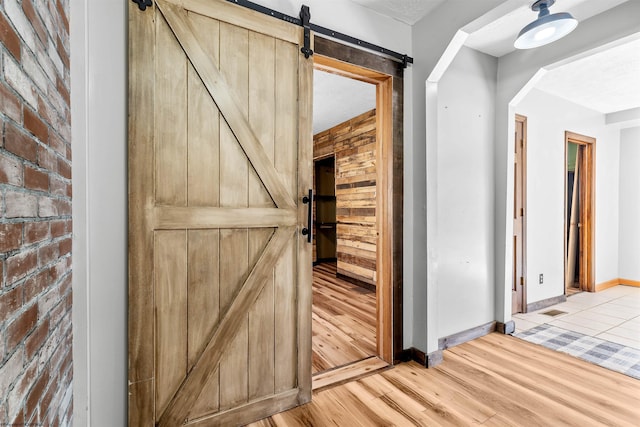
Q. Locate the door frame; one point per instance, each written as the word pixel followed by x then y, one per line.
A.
pixel 523 119
pixel 587 215
pixel 387 76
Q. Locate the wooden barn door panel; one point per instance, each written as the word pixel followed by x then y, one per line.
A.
pixel 220 156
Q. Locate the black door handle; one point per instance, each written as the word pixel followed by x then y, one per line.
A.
pixel 308 231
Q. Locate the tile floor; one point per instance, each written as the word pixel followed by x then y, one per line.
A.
pixel 612 315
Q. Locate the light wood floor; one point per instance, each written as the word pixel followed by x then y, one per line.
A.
pixel 344 319
pixel 496 380
pixel 572 291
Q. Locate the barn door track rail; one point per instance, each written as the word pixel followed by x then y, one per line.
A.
pixel 304 21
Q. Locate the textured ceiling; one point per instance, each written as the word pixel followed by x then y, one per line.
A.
pixel 497 37
pixel 607 82
pixel 407 11
pixel 337 99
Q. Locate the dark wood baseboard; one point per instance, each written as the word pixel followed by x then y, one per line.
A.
pixel 427 360
pixel 403 356
pixel 539 305
pixel 506 328
pixel 356 282
pixel 468 335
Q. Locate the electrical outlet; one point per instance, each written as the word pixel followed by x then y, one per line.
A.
pixel 541 278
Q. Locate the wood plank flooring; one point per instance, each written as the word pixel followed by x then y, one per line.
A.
pixel 496 380
pixel 572 291
pixel 344 319
pixel 349 372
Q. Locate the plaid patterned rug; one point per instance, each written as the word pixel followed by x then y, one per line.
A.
pixel 594 350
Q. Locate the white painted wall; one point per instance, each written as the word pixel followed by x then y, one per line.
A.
pixel 98 46
pixel 465 192
pixel 629 253
pixel 515 70
pixel 607 201
pixel 352 19
pixel 548 117
pixel 98 56
pixel 431 36
pixel 77 22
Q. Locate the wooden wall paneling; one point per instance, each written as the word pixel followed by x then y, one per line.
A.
pixel 353 143
pixel 322 145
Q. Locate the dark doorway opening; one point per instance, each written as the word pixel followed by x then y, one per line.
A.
pixel 325 210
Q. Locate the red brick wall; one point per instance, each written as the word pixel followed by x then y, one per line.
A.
pixel 35 214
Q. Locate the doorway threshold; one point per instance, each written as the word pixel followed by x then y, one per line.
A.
pixel 349 372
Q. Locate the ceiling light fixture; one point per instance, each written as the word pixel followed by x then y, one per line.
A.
pixel 547 28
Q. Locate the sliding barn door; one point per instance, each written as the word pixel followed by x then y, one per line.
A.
pixel 219 159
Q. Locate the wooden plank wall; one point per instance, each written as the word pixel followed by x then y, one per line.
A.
pixel 354 145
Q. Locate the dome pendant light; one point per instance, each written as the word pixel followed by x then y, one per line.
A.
pixel 547 28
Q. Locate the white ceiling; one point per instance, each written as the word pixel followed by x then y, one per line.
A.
pixel 497 37
pixel 337 99
pixel 608 81
pixel 407 11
